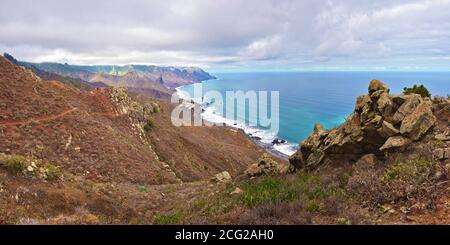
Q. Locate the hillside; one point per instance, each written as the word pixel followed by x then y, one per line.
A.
pixel 68 155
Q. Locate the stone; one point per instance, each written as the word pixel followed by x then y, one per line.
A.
pixel 265 166
pixel 30 169
pixel 385 106
pixel 418 122
pixel 395 142
pixel 410 103
pixel 238 191
pixel 361 101
pixel 278 141
pixel 223 177
pixel 439 99
pixel 376 85
pixel 387 130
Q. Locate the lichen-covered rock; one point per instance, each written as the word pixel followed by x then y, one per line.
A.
pixel 395 142
pixel 223 177
pixel 126 105
pixel 376 85
pixel 265 166
pixel 418 122
pixel 387 129
pixel 409 104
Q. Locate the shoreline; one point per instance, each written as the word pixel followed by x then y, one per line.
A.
pixel 269 147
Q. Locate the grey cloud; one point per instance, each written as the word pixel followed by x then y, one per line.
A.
pixel 260 34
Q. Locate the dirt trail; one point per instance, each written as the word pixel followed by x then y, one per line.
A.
pixel 36 119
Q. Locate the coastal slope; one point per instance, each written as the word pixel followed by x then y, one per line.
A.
pixel 104 155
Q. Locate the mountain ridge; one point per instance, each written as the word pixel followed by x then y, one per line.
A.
pixel 157 81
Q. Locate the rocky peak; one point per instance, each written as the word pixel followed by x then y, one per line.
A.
pixel 381 122
pixel 376 86
pixel 126 105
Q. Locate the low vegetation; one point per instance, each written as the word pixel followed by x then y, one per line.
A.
pixel 14 163
pixel 29 166
pixel 149 125
pixel 264 200
pixel 168 219
pixel 421 90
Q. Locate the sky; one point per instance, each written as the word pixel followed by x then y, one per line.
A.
pixel 232 35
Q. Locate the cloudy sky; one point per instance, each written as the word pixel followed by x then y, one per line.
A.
pixel 232 35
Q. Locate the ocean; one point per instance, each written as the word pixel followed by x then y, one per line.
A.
pixel 308 97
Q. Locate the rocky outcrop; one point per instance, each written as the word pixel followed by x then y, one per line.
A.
pixel 126 105
pixel 380 122
pixel 265 166
pixel 222 177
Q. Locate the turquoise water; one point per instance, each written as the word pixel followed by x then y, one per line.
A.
pixel 309 97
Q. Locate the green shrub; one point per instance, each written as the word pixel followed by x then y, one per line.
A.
pixel 14 163
pixel 408 170
pixel 53 172
pixel 156 108
pixel 142 188
pixel 269 190
pixel 167 219
pixel 421 90
pixel 149 125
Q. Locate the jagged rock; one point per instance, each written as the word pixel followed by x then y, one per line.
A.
pixel 387 130
pixel 265 166
pixel 307 146
pixel 223 177
pixel 385 106
pixel 314 140
pixel 376 85
pixel 409 104
pixel 380 122
pixel 362 101
pixel 137 111
pixel 395 142
pixel 278 141
pixel 418 122
pixel 439 99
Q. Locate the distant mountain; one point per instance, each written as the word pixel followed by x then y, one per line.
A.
pixel 148 77
pixel 45 75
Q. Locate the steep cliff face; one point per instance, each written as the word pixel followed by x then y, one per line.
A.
pixel 381 123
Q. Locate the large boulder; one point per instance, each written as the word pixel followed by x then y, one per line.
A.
pixel 223 177
pixel 408 104
pixel 376 85
pixel 387 129
pixel 418 122
pixel 265 166
pixel 395 143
